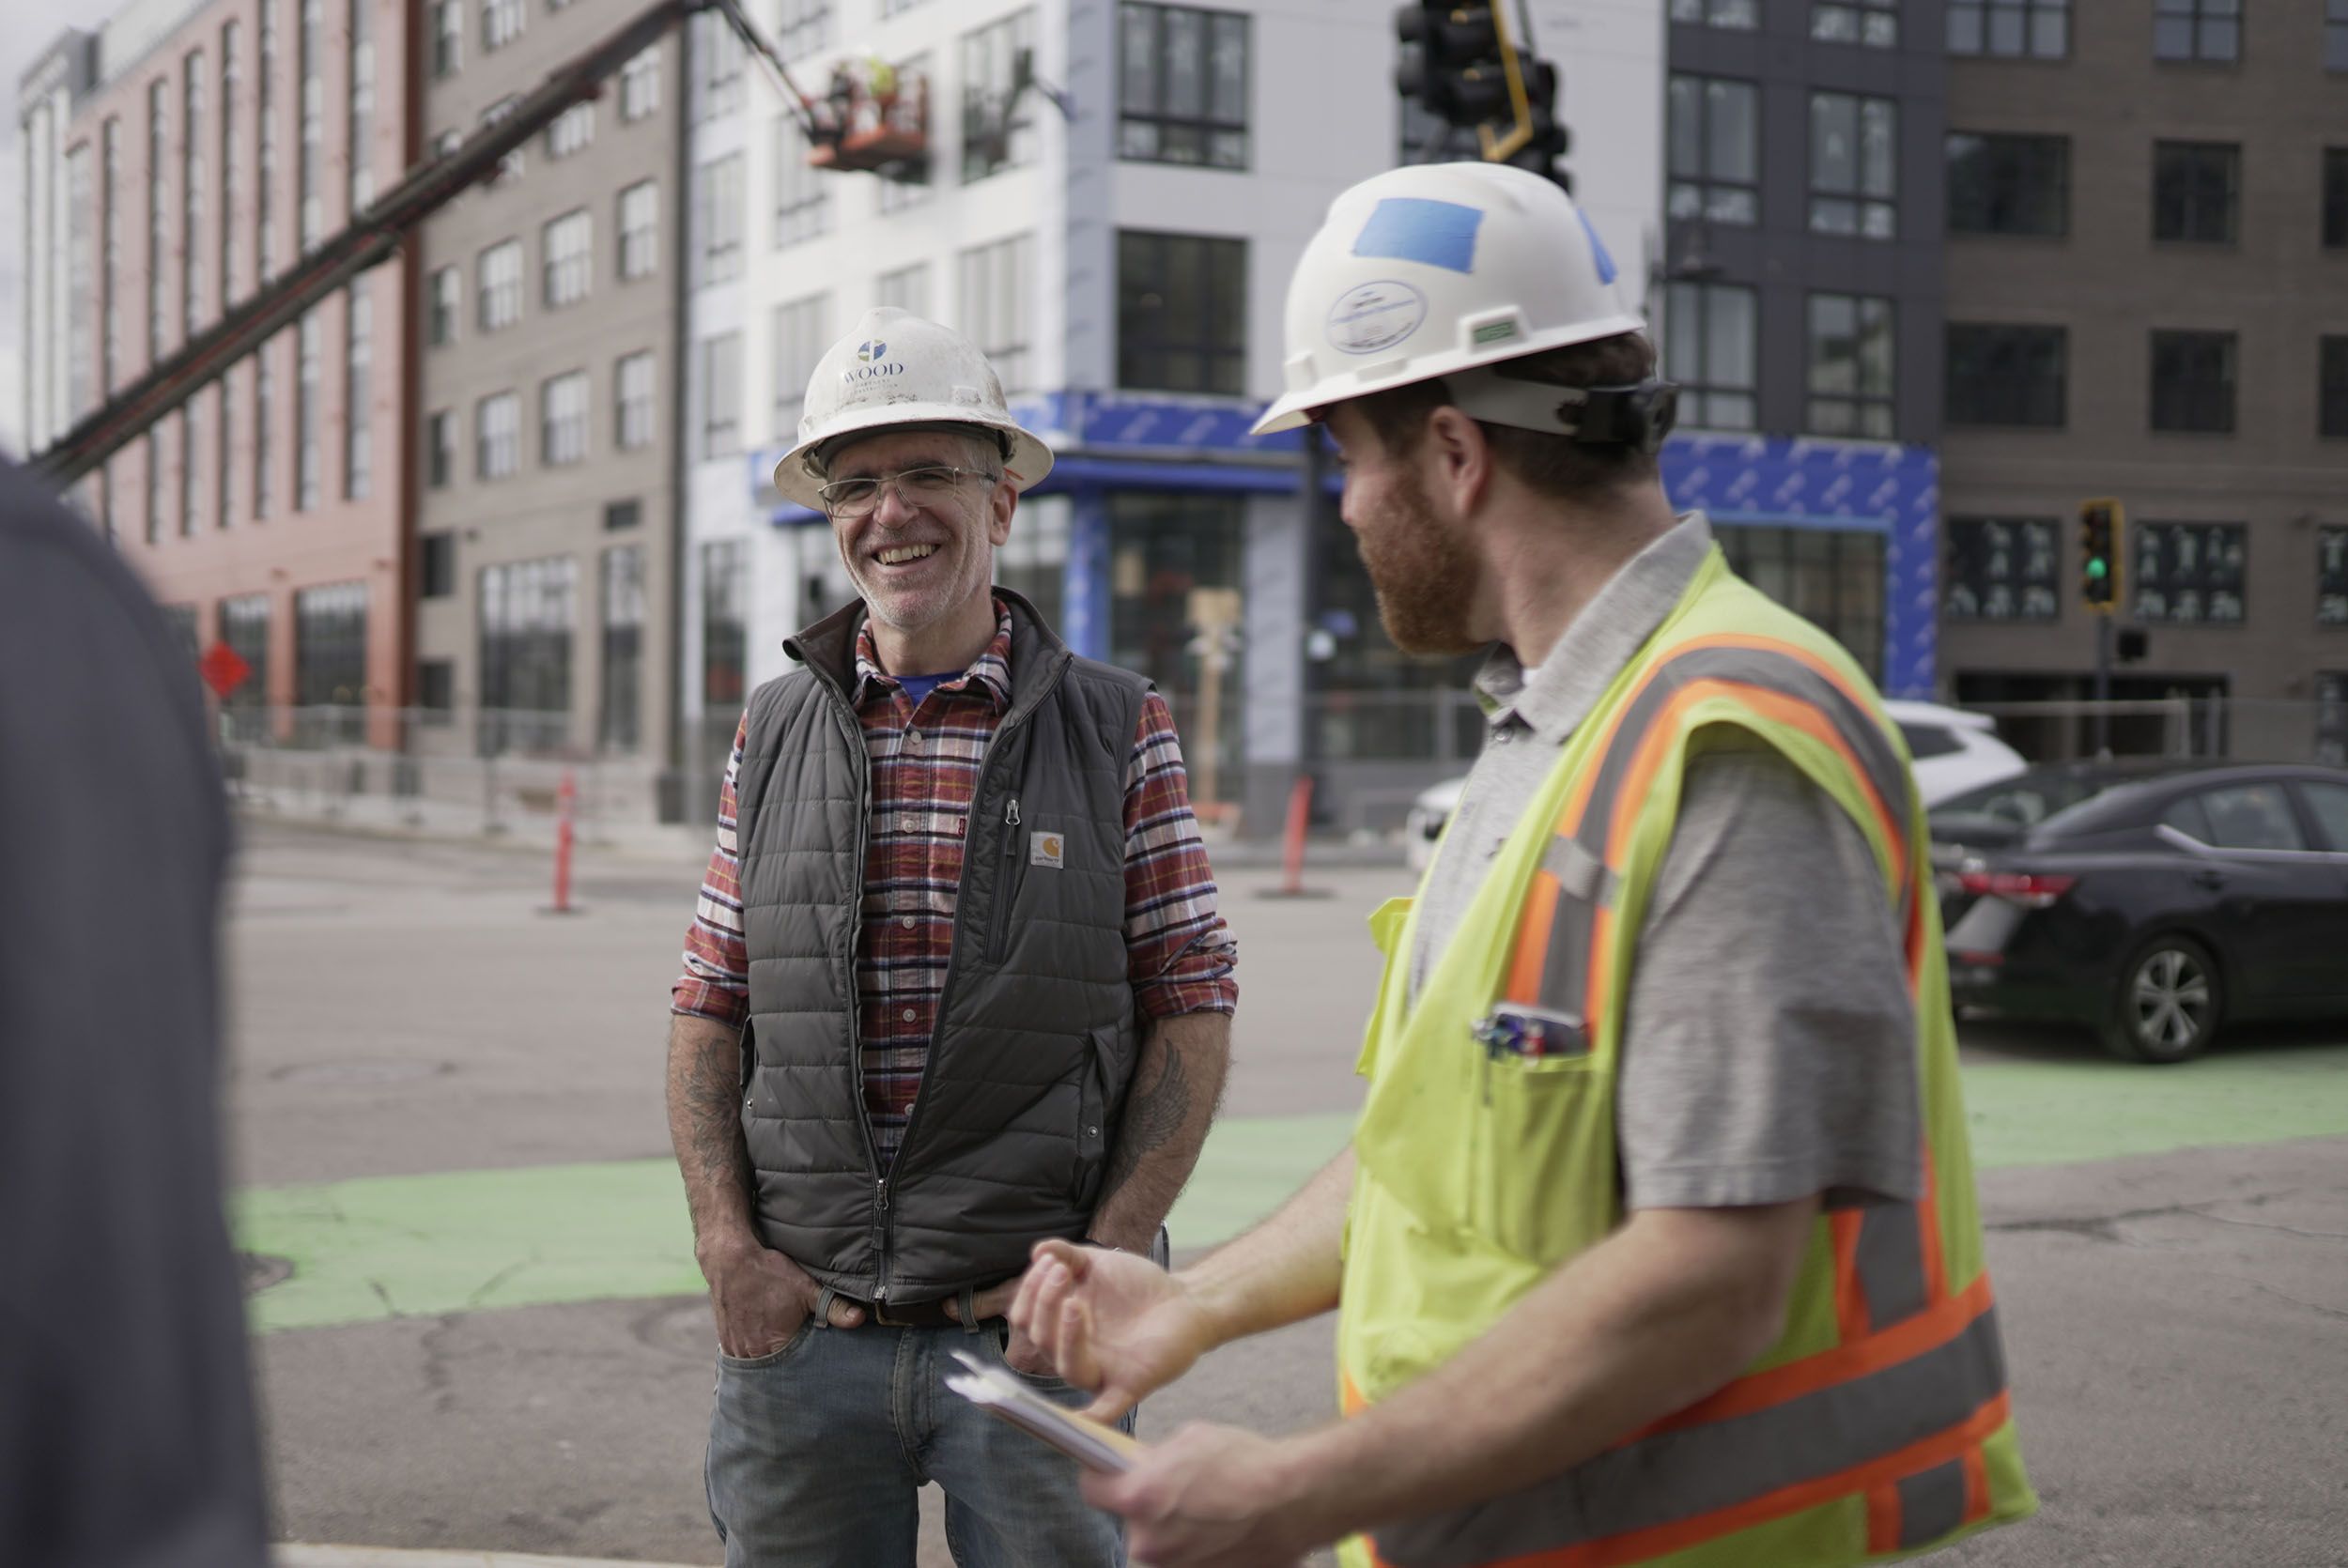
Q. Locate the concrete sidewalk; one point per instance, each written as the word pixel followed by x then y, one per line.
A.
pixel 297 1554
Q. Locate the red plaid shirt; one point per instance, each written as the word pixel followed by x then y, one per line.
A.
pixel 925 771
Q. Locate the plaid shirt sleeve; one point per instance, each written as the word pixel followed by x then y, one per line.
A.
pixel 1181 955
pixel 716 984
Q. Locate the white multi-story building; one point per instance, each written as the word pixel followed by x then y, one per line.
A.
pixel 1114 222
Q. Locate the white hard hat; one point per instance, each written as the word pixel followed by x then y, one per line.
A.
pixel 1438 268
pixel 896 370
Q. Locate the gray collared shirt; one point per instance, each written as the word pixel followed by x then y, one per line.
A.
pixel 1769 1042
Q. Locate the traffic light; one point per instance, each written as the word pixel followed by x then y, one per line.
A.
pixel 2100 525
pixel 1459 64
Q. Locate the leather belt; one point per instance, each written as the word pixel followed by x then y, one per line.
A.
pixel 898 1315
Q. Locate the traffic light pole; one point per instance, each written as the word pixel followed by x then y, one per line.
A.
pixel 2103 687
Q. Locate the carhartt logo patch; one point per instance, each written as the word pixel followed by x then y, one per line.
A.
pixel 1048 849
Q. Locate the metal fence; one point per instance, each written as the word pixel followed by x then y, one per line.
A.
pixel 2198 728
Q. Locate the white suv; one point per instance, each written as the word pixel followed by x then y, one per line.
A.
pixel 1954 751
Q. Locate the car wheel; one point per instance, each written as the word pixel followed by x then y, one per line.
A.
pixel 2168 1003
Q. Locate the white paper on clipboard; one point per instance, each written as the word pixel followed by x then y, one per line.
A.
pixel 1000 1393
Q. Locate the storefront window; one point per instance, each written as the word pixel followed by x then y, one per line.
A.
pixel 1034 562
pixel 1372 701
pixel 1833 578
pixel 1176 614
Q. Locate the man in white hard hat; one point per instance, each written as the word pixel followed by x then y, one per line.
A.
pixel 957 983
pixel 1655 1241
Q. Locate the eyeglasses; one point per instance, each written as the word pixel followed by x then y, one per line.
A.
pixel 855 498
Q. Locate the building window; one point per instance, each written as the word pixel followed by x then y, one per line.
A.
pixel 639 230
pixel 572 131
pixel 362 104
pixel 2040 29
pixel 717 219
pixel 569 250
pixel 445 305
pixel 1183 81
pixel 157 237
pixel 2331 401
pixel 436 565
pixel 192 199
pixel 225 457
pixel 231 187
pixel 997 284
pixel 640 85
pixel 501 23
pixel 497 285
pixel 907 288
pixel 633 400
pixel 2196 190
pixel 440 448
pixel 2331 723
pixel 509 166
pixel 2007 375
pixel 2336 35
pixel 1854 156
pixel 1874 23
pixel 562 419
pixel 620 727
pixel 2335 198
pixel 2196 30
pixel 1182 312
pixel 802 333
pixel 719 51
pixel 310 211
pixel 526 614
pixel 358 363
pixel 2331 576
pixel 190 462
pixel 154 523
pixel 720 389
pixel 1715 149
pixel 110 254
pixel 331 646
pixel 435 692
pixel 80 341
pixel 2009 184
pixel 622 515
pixel 2189 573
pixel 2193 381
pixel 265 167
pixel 802 192
pixel 264 430
pixel 1851 367
pixel 244 628
pixel 1740 15
pixel 448 38
pixel 1710 336
pixel 2002 569
pixel 997 133
pixel 802 27
pixel 725 624
pixel 497 436
pixel 309 351
pixel 1834 580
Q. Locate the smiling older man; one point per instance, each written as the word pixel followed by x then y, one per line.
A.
pixel 957 983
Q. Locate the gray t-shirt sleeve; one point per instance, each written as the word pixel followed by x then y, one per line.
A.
pixel 1769 1046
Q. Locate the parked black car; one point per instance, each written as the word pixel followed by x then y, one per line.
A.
pixel 2156 908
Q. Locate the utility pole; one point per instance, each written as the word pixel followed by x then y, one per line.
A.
pixel 2102 521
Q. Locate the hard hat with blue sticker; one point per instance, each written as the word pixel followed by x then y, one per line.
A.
pixel 1374 316
pixel 1414 229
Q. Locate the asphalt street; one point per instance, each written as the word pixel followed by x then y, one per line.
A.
pixel 478 1323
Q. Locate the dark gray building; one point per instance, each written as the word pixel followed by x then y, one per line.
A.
pixel 2148 300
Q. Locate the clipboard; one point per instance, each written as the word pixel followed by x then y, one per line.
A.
pixel 999 1392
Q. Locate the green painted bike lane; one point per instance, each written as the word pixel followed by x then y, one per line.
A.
pixel 480 1240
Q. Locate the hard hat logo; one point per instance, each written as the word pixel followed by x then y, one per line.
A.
pixel 869 351
pixel 1375 315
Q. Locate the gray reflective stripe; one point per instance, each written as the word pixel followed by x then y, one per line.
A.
pixel 1693 1470
pixel 1890 1261
pixel 1932 1503
pixel 1564 974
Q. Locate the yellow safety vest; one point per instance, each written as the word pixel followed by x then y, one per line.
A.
pixel 1877 1425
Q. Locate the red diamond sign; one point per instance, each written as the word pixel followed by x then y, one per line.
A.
pixel 223 669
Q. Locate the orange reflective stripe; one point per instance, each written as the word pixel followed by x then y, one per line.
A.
pixel 1913 1336
pixel 1883 1518
pixel 1928 1216
pixel 1850 1295
pixel 1533 925
pixel 1976 1484
pixel 1619 1551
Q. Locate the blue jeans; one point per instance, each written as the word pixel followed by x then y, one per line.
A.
pixel 817 1451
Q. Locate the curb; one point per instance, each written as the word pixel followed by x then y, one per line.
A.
pixel 298 1554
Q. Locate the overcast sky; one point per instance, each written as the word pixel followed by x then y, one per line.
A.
pixel 33 26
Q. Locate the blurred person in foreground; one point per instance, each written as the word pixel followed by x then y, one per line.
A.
pixel 127 1432
pixel 1657 1238
pixel 957 982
